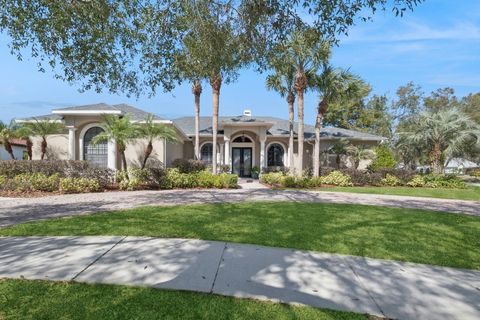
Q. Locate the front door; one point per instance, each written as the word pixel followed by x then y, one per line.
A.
pixel 242 161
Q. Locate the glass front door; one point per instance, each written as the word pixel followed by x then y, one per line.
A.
pixel 242 161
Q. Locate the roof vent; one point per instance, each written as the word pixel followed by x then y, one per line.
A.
pixel 247 113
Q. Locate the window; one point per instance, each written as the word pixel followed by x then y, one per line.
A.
pixel 96 154
pixel 242 139
pixel 206 152
pixel 275 155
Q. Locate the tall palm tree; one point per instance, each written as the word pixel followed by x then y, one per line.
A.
pixel 332 85
pixel 197 91
pixel 306 51
pixel 282 81
pixel 151 131
pixel 119 130
pixel 44 128
pixel 358 153
pixel 7 132
pixel 442 134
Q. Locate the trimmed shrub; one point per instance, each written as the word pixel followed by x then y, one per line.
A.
pixel 390 180
pixel 417 181
pixel 280 169
pixel 189 165
pixel 383 158
pixel 203 179
pixel 338 178
pixel 79 185
pixel 34 182
pixel 273 178
pixel 359 178
pixel 437 181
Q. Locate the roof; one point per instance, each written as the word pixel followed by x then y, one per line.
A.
pixel 135 114
pixel 280 127
pixel 17 142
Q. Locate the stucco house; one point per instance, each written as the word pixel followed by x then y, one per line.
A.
pixel 19 148
pixel 244 141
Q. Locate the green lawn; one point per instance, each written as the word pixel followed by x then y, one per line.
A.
pixel 380 232
pixel 22 299
pixel 472 193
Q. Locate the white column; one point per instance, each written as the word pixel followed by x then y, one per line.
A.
pixel 262 154
pixel 222 154
pixel 112 155
pixel 71 143
pixel 227 153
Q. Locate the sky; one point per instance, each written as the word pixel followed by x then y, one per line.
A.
pixel 437 45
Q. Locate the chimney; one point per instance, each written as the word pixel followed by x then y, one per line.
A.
pixel 247 113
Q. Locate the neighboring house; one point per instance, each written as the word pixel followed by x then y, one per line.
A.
pixel 458 165
pixel 243 141
pixel 19 149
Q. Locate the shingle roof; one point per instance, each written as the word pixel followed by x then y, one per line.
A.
pixel 134 113
pixel 280 127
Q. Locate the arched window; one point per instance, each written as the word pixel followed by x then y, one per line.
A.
pixel 206 152
pixel 275 155
pixel 96 154
pixel 242 139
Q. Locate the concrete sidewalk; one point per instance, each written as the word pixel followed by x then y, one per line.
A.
pixel 18 210
pixel 379 287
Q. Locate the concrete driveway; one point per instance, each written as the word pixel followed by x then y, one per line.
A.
pixel 18 210
pixel 384 288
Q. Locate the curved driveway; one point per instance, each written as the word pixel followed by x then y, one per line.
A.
pixel 18 210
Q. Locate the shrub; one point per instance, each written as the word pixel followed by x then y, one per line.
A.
pixel 223 168
pixel 359 178
pixel 437 181
pixel 3 180
pixel 79 185
pixel 390 180
pixel 64 168
pixel 325 171
pixel 34 182
pixel 273 178
pixel 383 158
pixel 337 178
pixel 203 179
pixel 403 175
pixel 189 165
pixel 280 169
pixel 476 173
pixel 416 181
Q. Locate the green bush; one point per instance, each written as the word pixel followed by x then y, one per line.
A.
pixel 189 165
pixel 34 182
pixel 383 159
pixel 337 178
pixel 437 181
pixel 202 179
pixel 390 181
pixel 79 185
pixel 272 178
pixel 3 180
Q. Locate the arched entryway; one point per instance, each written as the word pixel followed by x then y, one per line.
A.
pixel 243 150
pixel 96 154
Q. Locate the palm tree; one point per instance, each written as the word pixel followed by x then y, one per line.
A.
pixel 282 81
pixel 443 134
pixel 44 128
pixel 197 91
pixel 339 148
pixel 306 51
pixel 151 131
pixel 358 153
pixel 24 132
pixel 332 84
pixel 7 132
pixel 119 130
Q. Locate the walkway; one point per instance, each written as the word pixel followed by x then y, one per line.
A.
pixel 17 210
pixel 379 287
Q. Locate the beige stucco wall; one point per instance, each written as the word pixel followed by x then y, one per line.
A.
pixel 134 153
pixel 57 147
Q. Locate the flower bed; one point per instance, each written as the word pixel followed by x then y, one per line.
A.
pixel 349 177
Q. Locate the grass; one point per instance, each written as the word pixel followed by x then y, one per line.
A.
pixel 379 232
pixel 472 193
pixel 22 299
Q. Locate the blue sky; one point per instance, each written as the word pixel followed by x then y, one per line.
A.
pixel 435 46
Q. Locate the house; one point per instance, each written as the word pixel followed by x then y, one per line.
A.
pixel 244 141
pixel 19 148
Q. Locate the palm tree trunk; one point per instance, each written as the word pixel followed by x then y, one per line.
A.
pixel 436 159
pixel 337 161
pixel 8 147
pixel 147 153
pixel 43 148
pixel 300 132
pixel 216 83
pixel 197 91
pixel 29 148
pixel 321 109
pixel 291 120
pixel 124 160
